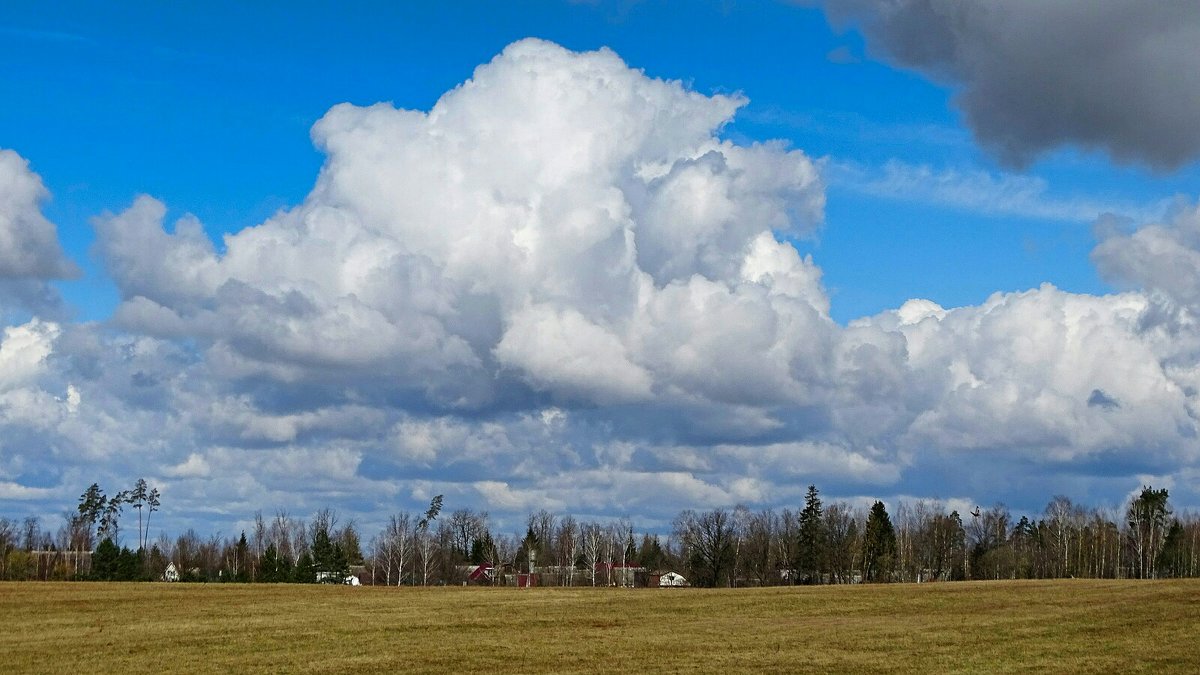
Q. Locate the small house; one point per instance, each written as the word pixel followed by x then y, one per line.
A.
pixel 671 580
pixel 171 573
pixel 480 574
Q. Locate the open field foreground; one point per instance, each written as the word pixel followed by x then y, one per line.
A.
pixel 1061 626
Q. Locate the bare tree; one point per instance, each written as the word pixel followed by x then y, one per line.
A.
pixel 592 538
pixel 425 539
pixel 259 540
pixel 758 551
pixel 708 542
pixel 567 541
pixel 397 545
pixel 8 537
pixel 841 532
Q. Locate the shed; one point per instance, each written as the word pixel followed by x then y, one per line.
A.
pixel 671 580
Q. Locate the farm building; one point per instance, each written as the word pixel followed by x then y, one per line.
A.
pixel 480 574
pixel 668 580
pixel 349 579
pixel 627 575
pixel 171 573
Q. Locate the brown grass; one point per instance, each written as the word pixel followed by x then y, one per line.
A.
pixel 1055 627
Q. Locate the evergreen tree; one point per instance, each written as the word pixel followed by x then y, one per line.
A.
pixel 110 515
pixel 339 565
pixel 137 499
pixel 286 571
pixel 481 548
pixel 241 557
pixel 530 544
pixel 129 566
pixel 958 564
pixel 305 573
pixel 156 564
pixel 1147 518
pixel 811 547
pixel 268 567
pixel 879 545
pixel 106 561
pixel 91 504
pixel 322 557
pixel 1173 558
pixel 651 555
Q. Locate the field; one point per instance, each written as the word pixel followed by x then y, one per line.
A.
pixel 1061 626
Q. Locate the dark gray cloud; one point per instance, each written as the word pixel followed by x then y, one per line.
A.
pixel 1119 76
pixel 1099 399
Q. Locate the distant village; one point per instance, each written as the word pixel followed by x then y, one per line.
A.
pixel 107 537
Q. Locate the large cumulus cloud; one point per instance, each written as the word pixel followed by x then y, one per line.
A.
pixel 559 220
pixel 1119 76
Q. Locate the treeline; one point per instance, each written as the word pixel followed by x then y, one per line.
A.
pixel 923 541
pixel 816 544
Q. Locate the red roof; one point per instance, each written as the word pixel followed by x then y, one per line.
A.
pixel 480 572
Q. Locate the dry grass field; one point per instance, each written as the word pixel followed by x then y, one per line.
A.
pixel 1061 626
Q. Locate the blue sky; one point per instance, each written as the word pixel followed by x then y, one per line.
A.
pixel 207 106
pixel 402 315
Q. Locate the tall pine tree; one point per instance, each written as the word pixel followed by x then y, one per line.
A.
pixel 811 547
pixel 879 545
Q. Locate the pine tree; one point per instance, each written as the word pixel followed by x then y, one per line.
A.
pixel 481 549
pixel 128 567
pixel 106 561
pixel 137 499
pixel 879 544
pixel 1147 518
pixel 323 557
pixel 811 547
pixel 304 572
pixel 339 565
pixel 651 555
pixel 268 567
pixel 91 505
pixel 241 557
pixel 1172 559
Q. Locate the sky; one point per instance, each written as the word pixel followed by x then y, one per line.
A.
pixel 607 258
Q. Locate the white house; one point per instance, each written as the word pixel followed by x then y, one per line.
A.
pixel 671 580
pixel 350 579
pixel 171 573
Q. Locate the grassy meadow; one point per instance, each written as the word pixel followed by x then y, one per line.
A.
pixel 1054 626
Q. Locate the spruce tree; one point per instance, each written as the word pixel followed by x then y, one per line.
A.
pixel 879 544
pixel 304 572
pixel 268 567
pixel 811 547
pixel 242 560
pixel 106 561
pixel 323 557
pixel 339 565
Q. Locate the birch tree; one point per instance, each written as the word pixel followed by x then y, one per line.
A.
pixel 567 544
